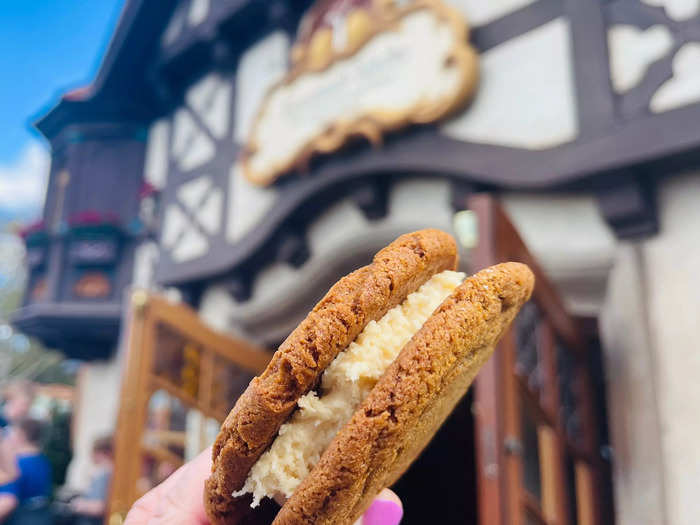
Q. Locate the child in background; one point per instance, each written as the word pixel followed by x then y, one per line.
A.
pixel 91 506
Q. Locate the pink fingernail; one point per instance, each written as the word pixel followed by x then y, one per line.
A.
pixel 383 512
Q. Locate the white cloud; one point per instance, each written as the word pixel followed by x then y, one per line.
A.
pixel 23 182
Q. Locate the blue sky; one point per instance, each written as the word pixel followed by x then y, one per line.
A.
pixel 46 47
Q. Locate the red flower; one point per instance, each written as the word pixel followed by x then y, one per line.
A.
pixel 32 228
pixel 93 218
pixel 147 190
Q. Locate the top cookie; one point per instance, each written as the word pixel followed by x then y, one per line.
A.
pixel 360 297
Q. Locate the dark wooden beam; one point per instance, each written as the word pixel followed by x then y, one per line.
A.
pixel 628 206
pixel 460 191
pixel 596 104
pixel 372 198
pixel 636 100
pixel 292 249
pixel 240 285
pixel 515 24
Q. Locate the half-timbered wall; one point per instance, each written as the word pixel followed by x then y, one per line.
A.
pixel 568 90
pixel 212 219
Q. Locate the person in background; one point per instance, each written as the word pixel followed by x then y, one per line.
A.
pixel 91 506
pixel 24 500
pixel 19 397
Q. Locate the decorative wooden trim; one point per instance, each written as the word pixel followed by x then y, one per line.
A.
pixel 240 286
pixel 596 104
pixel 636 100
pixel 628 205
pixel 183 319
pixel 315 58
pixel 669 139
pixel 515 24
pixel 292 248
pixel 372 198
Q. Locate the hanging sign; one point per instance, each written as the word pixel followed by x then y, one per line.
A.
pixel 361 68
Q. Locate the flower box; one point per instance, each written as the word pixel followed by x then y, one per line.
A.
pixel 36 241
pixel 94 238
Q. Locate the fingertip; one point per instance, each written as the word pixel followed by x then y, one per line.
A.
pixel 386 509
pixel 389 495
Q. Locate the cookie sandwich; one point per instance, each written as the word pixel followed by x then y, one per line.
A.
pixel 359 388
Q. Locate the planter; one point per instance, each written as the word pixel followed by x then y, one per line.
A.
pixel 93 239
pixel 36 255
pixel 36 241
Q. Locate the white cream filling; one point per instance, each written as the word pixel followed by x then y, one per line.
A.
pixel 344 385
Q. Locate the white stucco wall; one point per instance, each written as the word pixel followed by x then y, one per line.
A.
pixel 672 261
pixel 631 389
pixel 95 415
pixel 651 336
pixel 571 241
pixel 507 110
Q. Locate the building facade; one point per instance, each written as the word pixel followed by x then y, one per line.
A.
pixel 215 160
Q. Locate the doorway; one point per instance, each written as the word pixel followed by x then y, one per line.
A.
pixel 440 487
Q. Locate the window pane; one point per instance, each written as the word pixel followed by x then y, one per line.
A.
pixel 531 455
pixel 163 440
pixel 174 433
pixel 177 360
pixel 570 409
pixel 527 363
pixel 228 384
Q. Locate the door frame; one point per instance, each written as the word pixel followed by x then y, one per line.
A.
pixel 499 398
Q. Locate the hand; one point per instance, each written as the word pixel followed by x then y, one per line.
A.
pixel 179 500
pixel 88 507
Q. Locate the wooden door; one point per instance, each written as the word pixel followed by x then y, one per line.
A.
pixel 180 380
pixel 535 426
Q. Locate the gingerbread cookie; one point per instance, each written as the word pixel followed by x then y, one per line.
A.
pixel 360 297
